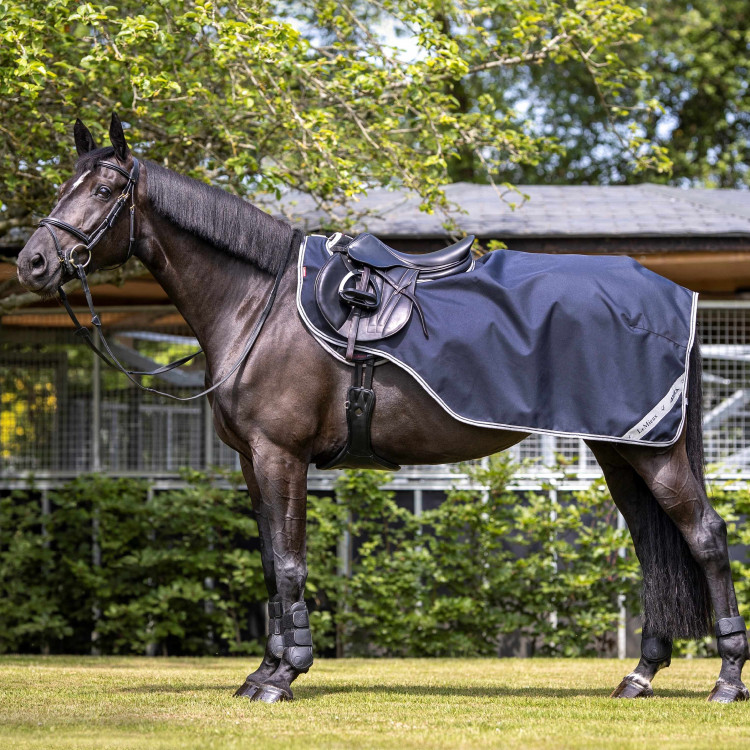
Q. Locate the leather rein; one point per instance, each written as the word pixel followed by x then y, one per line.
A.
pixel 70 262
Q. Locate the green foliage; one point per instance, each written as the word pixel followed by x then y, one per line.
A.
pixel 694 57
pixel 322 96
pixel 382 595
pixel 486 562
pixel 31 607
pixel 178 571
pixel 129 569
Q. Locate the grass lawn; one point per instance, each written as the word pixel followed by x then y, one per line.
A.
pixel 123 703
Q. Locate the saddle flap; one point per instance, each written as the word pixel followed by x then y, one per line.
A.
pixel 391 314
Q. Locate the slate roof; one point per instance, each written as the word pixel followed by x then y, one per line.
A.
pixel 646 210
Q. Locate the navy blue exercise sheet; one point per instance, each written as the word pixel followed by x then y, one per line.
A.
pixel 573 345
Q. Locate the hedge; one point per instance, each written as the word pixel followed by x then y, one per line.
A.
pixel 117 568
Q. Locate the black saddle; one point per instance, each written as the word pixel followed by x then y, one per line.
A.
pixel 368 291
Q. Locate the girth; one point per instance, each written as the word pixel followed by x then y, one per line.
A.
pixel 357 453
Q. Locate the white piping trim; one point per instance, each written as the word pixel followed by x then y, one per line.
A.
pixel 321 337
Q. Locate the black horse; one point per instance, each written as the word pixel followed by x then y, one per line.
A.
pixel 218 258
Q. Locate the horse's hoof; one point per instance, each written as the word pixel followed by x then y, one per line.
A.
pixel 247 690
pixel 272 694
pixel 633 686
pixel 727 692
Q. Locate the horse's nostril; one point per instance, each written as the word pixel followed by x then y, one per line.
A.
pixel 38 263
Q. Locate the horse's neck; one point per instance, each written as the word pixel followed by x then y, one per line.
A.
pixel 218 295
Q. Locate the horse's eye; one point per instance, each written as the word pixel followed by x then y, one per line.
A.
pixel 103 191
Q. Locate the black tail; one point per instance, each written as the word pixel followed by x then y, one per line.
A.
pixel 676 601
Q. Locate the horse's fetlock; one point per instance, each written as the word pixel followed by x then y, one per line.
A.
pixel 733 648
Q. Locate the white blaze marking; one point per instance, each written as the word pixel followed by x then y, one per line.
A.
pixel 80 179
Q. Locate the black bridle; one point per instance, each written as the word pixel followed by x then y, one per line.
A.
pixel 71 264
pixel 69 260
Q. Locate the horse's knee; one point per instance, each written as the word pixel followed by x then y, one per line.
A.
pixel 291 577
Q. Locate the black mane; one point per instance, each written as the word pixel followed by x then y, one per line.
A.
pixel 220 218
pixel 226 221
pixel 88 161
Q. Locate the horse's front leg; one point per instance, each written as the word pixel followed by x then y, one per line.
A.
pixel 275 641
pixel 282 482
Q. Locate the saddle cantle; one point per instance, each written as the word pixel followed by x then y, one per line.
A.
pixel 367 291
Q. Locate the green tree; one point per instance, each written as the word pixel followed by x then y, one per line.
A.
pixel 695 57
pixel 318 95
pixel 488 561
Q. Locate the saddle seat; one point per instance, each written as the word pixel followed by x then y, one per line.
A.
pixel 370 251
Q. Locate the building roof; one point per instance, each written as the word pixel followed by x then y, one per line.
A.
pixel 699 238
pixel 646 210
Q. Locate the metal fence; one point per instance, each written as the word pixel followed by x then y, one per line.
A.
pixel 63 413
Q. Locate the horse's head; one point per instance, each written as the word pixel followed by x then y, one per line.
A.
pixel 90 225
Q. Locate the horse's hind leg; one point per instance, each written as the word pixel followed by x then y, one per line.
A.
pixel 274 643
pixel 668 475
pixel 634 501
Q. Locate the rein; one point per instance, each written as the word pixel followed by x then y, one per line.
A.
pixel 72 265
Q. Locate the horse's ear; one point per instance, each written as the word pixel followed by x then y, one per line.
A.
pixel 117 138
pixel 83 138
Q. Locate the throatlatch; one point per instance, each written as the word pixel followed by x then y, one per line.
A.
pixel 298 637
pixel 360 402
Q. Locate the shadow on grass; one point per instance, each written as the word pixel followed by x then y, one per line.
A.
pixel 315 692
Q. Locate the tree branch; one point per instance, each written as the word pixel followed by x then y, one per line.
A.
pixel 15 221
pixel 116 276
